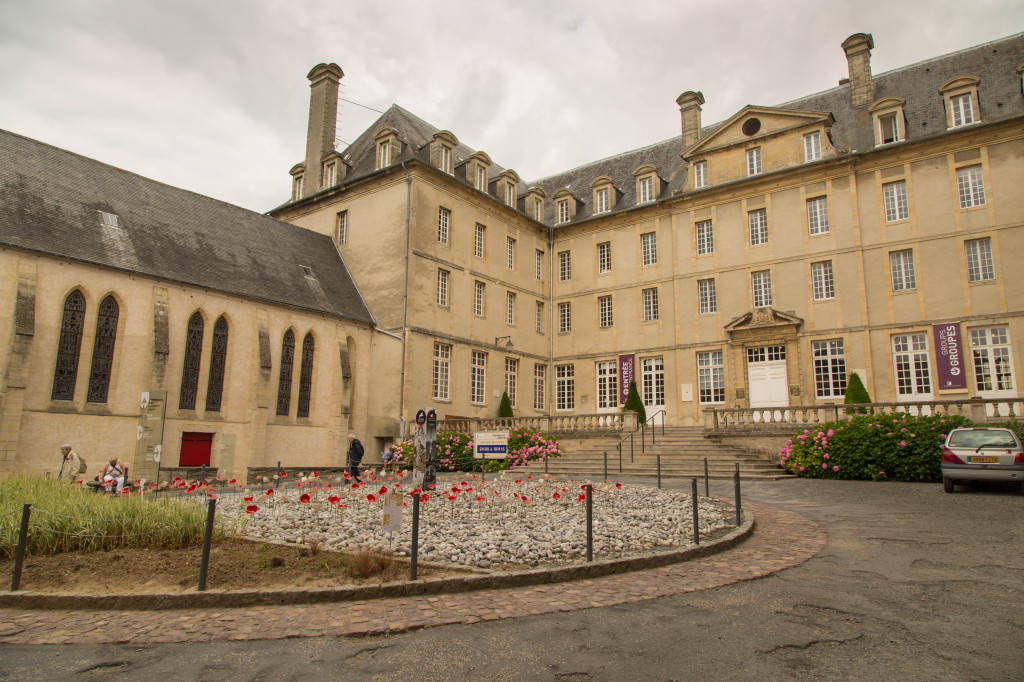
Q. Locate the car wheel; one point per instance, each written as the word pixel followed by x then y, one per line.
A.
pixel 947 484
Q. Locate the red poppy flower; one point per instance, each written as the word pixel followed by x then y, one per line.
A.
pixel 181 484
pixel 270 491
pixel 304 498
pixel 556 496
pixel 371 497
pixel 176 479
pixel 191 488
pixel 333 499
pixel 248 499
pixel 330 486
pixel 515 495
pixel 480 499
pixel 314 475
pixel 583 487
pixel 251 509
pixel 451 498
pixel 232 482
pixel 137 483
pixel 405 504
pixel 212 496
pixel 354 486
pixel 529 478
pixel 415 490
pixel 298 485
pixel 284 474
pixel 463 484
pixel 151 486
pixel 398 485
pixel 618 485
pixel 424 498
pixel 581 497
pixel 347 475
pixel 125 491
pixel 383 489
pixel 518 480
pixel 496 492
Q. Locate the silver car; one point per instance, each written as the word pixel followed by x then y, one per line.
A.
pixel 982 454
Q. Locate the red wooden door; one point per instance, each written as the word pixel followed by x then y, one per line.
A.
pixel 195 449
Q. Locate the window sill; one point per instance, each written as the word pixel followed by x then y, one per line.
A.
pixel 825 300
pixel 901 292
pixel 976 207
pixel 898 222
pixel 982 282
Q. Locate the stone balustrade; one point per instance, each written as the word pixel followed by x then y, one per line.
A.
pixel 791 417
pixel 609 423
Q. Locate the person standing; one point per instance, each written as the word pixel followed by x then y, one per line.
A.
pixel 72 464
pixel 355 456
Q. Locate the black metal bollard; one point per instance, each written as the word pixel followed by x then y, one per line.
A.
pixel 415 550
pixel 631 447
pixel 590 523
pixel 211 508
pixel 659 472
pixel 696 514
pixel 739 508
pixel 605 465
pixel 545 464
pixel 19 553
pixel 706 493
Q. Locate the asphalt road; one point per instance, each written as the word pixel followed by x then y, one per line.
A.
pixel 914 584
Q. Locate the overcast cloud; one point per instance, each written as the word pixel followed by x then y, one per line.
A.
pixel 211 95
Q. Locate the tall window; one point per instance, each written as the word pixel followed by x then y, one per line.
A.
pixel 757 221
pixel 284 382
pixel 812 146
pixel 564 318
pixel 477 377
pixel 442 365
pixel 700 174
pixel 963 112
pixel 901 264
pixel 510 308
pixel 383 154
pixel 602 201
pixel 993 367
pixel 979 260
pixel 510 194
pixel 762 284
pixel 481 178
pixel 706 299
pixel 218 366
pixel 444 217
pixel 705 238
pixel 512 379
pixel 710 378
pixel 478 241
pixel 888 129
pixel 103 351
pixel 446 159
pixel 297 187
pixel 564 266
pixel 910 358
pixel 341 229
pixel 330 174
pixel 894 196
pixel 538 210
pixel 306 375
pixel 540 317
pixel 652 373
pixel 563 211
pixel 478 299
pixel 65 374
pixel 604 307
pixel 646 190
pixel 822 284
pixel 604 257
pixel 817 215
pixel 829 368
pixel 510 253
pixel 607 385
pixel 539 388
pixel 442 287
pixel 971 186
pixel 754 161
pixel 649 248
pixel 190 367
pixel 565 387
pixel 539 265
pixel 650 305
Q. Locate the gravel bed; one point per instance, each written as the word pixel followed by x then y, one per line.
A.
pixel 511 520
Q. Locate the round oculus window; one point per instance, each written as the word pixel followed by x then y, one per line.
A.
pixel 751 126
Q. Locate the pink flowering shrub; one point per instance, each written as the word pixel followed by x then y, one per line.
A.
pixel 455 451
pixel 872 447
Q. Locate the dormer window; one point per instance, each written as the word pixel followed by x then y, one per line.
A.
pixel 754 161
pixel 477 170
pixel 446 159
pixel 389 147
pixel 297 187
pixel 890 125
pixel 330 173
pixel 601 205
pixel 646 190
pixel 565 206
pixel 383 154
pixel 538 209
pixel 812 146
pixel 481 178
pixel 442 151
pixel 888 131
pixel 647 184
pixel 604 194
pixel 563 211
pixel 533 203
pixel 507 187
pixel 510 194
pixel 961 99
pixel 109 219
pixel 700 174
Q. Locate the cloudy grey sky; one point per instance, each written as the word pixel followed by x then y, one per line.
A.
pixel 211 95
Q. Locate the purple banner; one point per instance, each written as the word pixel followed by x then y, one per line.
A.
pixel 949 356
pixel 627 372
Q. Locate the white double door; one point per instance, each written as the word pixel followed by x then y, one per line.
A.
pixel 767 376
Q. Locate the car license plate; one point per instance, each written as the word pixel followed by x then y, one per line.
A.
pixel 984 460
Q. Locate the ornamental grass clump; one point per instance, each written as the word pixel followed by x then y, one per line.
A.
pixel 895 446
pixel 65 518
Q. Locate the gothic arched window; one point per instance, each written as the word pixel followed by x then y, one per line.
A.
pixel 103 351
pixel 306 375
pixel 69 347
pixel 284 385
pixel 193 357
pixel 218 362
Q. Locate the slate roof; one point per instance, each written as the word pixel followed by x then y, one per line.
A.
pixel 50 201
pixel 995 63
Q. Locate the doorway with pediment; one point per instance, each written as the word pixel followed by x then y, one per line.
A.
pixel 765 355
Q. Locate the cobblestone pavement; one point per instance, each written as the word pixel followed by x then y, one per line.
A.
pixel 781 539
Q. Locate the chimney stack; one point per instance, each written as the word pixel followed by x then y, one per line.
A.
pixel 323 122
pixel 689 109
pixel 858 55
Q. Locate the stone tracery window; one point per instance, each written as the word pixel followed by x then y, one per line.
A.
pixel 218 364
pixel 284 385
pixel 103 351
pixel 190 367
pixel 69 347
pixel 306 375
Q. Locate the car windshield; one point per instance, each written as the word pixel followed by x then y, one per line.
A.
pixel 982 439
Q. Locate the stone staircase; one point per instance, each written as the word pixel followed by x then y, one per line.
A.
pixel 682 450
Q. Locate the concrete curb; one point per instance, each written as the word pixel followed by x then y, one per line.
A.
pixel 246 598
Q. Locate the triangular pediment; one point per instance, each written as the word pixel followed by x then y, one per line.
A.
pixel 763 317
pixel 755 123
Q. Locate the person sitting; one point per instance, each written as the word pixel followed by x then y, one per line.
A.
pixel 114 472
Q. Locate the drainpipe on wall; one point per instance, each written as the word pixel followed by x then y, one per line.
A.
pixel 405 298
pixel 551 324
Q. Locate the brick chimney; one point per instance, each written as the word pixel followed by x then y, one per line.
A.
pixel 689 109
pixel 323 115
pixel 858 55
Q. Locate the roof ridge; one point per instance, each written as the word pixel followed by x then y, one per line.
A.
pixel 539 181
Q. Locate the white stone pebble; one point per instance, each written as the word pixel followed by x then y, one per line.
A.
pixel 518 523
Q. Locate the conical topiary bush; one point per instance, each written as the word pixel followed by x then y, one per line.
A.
pixel 856 394
pixel 634 403
pixel 505 409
